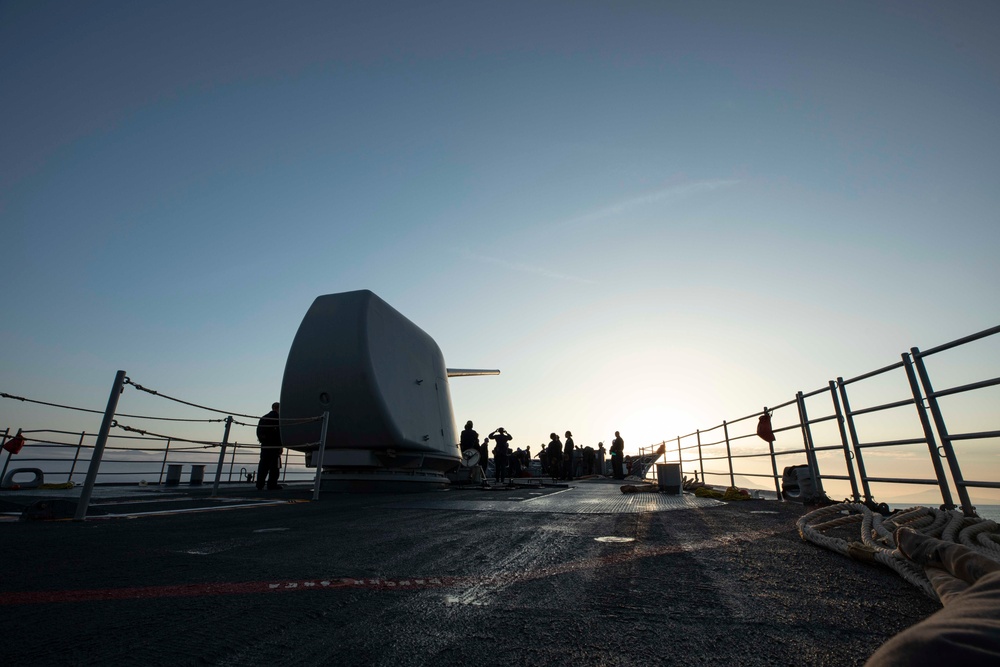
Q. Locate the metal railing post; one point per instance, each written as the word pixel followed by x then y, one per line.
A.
pixel 774 471
pixel 701 460
pixel 729 455
pixel 79 445
pixel 774 463
pixel 321 452
pixel 163 466
pixel 925 424
pixel 942 429
pixel 9 454
pixel 843 440
pixel 222 456
pixel 232 461
pixel 102 440
pixel 808 441
pixel 855 443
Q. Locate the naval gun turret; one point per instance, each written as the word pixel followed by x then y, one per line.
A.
pixel 385 384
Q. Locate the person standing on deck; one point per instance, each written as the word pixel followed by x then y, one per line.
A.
pixel 617 451
pixel 484 455
pixel 468 440
pixel 568 450
pixel 601 468
pixel 554 451
pixel 502 437
pixel 543 459
pixel 588 460
pixel 269 436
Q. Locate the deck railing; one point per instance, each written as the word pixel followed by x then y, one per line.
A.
pixel 839 457
pixel 729 449
pixel 134 459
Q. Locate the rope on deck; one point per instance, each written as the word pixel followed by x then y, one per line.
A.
pixel 878 543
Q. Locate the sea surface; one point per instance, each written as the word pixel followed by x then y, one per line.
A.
pixel 989 512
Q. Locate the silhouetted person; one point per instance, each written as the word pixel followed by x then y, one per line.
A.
pixel 554 451
pixel 617 452
pixel 543 459
pixel 469 439
pixel 568 450
pixel 515 464
pixel 601 468
pixel 269 436
pixel 484 454
pixel 589 457
pixel 502 438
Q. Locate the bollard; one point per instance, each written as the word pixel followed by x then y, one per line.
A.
pixel 197 475
pixel 173 474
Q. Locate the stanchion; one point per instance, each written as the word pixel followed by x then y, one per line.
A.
pixel 222 457
pixel 79 446
pixel 102 440
pixel 9 454
pixel 322 451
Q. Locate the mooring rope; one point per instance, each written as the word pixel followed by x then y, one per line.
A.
pixel 878 543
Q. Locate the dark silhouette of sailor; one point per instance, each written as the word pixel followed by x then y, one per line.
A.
pixel 502 437
pixel 269 436
pixel 617 451
pixel 470 439
pixel 568 450
pixel 554 451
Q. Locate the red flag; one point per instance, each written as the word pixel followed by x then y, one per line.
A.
pixel 15 444
pixel 764 428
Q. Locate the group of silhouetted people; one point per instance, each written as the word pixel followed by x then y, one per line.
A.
pixel 506 464
pixel 559 459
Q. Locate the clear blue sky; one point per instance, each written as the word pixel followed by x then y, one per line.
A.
pixel 651 216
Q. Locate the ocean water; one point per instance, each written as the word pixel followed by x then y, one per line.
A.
pixel 989 512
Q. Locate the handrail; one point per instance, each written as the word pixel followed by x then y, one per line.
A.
pixel 923 399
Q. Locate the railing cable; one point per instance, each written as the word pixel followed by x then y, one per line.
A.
pixel 193 405
pixel 101 412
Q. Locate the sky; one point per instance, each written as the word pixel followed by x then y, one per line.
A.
pixel 650 216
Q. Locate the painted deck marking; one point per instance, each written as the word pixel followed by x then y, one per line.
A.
pixel 373 583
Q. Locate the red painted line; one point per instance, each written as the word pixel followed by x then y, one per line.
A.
pixel 370 583
pixel 195 590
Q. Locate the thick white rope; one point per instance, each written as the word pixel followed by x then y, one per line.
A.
pixel 877 542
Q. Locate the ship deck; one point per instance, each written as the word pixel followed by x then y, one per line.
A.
pixel 532 576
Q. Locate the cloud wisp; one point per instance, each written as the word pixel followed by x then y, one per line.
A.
pixel 669 194
pixel 525 268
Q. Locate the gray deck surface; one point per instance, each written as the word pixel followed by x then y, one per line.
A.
pixel 578 576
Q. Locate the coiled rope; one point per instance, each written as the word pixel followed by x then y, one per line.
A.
pixel 878 544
